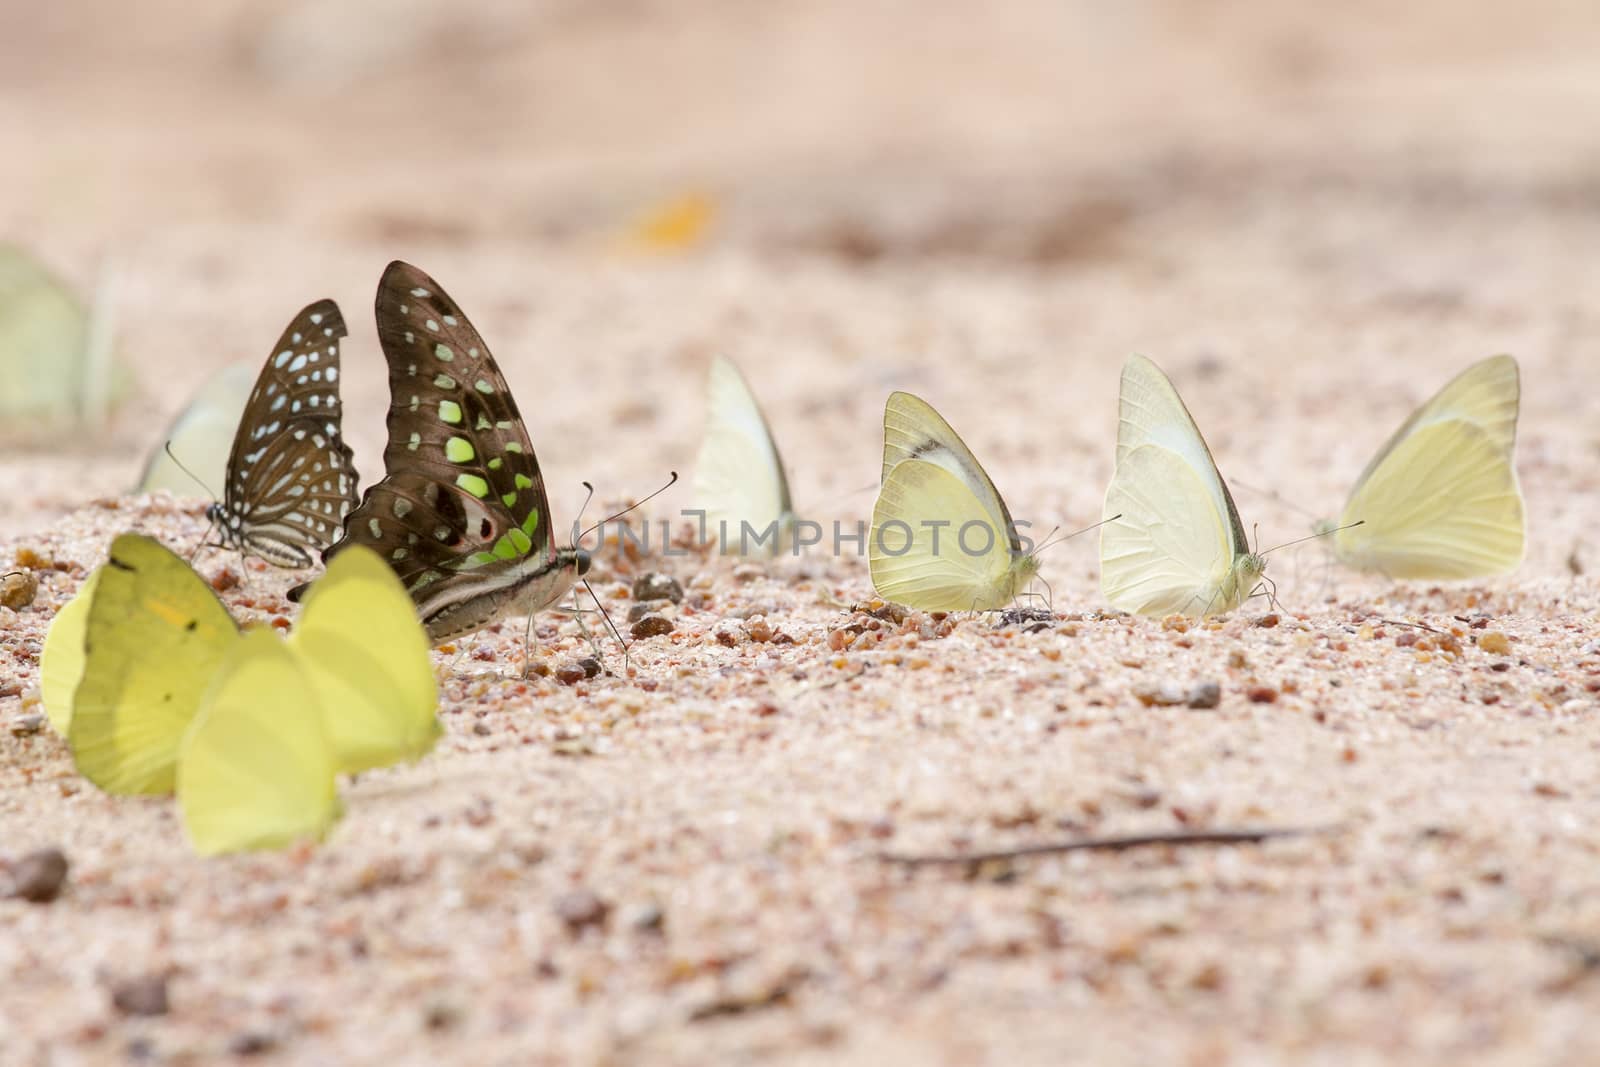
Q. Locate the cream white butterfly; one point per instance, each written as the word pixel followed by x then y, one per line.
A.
pixel 942 539
pixel 1441 499
pixel 201 436
pixel 1172 542
pixel 739 479
pixel 56 359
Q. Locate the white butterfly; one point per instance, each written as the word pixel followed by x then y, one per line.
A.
pixel 1172 542
pixel 942 539
pixel 56 358
pixel 739 479
pixel 1441 499
pixel 201 436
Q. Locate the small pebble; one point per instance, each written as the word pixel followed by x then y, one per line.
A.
pixel 648 607
pixel 645 918
pixel 1268 621
pixel 1262 694
pixel 144 995
pixel 748 572
pixel 1205 695
pixel 25 725
pixel 252 1043
pixel 570 673
pixel 653 585
pixel 581 908
pixel 18 589
pixel 1164 696
pixel 1495 643
pixel 651 626
pixel 39 876
pixel 591 667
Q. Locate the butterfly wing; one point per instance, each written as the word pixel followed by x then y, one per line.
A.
pixel 291 478
pixel 62 659
pixel 366 657
pixel 937 546
pixel 44 333
pixel 461 514
pixel 913 430
pixel 1178 545
pixel 154 638
pixel 257 769
pixel 1441 499
pixel 201 436
pixel 739 476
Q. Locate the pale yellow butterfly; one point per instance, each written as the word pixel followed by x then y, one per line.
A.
pixel 942 539
pixel 739 479
pixel 201 437
pixel 1441 499
pixel 1172 542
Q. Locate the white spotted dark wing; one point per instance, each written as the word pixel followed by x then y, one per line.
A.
pixel 291 479
pixel 461 514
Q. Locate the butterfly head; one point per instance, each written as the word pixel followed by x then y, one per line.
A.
pixel 581 560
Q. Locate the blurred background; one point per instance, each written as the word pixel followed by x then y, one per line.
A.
pixel 847 196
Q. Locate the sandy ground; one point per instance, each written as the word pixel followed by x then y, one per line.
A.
pixel 1310 224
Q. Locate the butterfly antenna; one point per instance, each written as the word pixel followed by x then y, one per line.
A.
pixel 604 614
pixel 1067 537
pixel 1313 537
pixel 167 448
pixel 638 503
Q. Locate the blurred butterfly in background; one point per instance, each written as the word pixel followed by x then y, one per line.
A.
pixel 461 514
pixel 55 357
pixel 148 677
pixel 1172 542
pixel 942 539
pixel 739 475
pixel 291 479
pixel 201 436
pixel 1441 499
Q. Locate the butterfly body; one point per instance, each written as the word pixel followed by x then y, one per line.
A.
pixel 1172 542
pixel 942 538
pixel 461 514
pixel 1441 498
pixel 291 479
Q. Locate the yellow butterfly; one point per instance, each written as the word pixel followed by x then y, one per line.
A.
pixel 1172 542
pixel 201 436
pixel 1441 498
pixel 739 478
pixel 256 767
pixel 942 539
pixel 156 637
pixel 152 636
pixel 366 657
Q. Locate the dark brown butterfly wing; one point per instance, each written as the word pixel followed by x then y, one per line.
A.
pixel 291 479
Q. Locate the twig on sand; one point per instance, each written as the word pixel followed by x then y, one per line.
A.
pixel 1109 844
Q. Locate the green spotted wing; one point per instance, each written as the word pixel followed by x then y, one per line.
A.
pixel 461 514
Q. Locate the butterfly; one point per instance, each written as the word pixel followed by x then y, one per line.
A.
pixel 55 355
pixel 256 768
pixel 461 514
pixel 942 539
pixel 739 477
pixel 291 479
pixel 1441 499
pixel 1172 542
pixel 200 437
pixel 130 664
